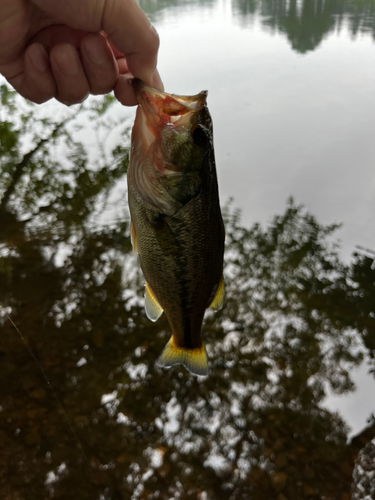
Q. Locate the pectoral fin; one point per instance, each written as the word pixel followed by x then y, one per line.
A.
pixel 133 238
pixel 217 303
pixel 195 360
pixel 152 306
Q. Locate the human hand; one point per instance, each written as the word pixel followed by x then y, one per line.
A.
pixel 69 48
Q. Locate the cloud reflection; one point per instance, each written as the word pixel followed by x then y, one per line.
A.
pixel 296 320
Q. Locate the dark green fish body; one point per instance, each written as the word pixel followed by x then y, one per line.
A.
pixel 177 228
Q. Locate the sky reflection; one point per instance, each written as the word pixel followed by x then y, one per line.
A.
pixel 296 321
pixel 291 94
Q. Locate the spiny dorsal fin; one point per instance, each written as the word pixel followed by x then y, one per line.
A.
pixel 195 360
pixel 152 306
pixel 133 238
pixel 217 303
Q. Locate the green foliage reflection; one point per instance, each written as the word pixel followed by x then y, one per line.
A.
pixel 309 22
pixel 305 23
pixel 295 321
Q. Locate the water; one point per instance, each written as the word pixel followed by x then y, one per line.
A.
pixel 291 94
pixel 292 100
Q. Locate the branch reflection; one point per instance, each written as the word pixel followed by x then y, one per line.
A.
pixel 296 321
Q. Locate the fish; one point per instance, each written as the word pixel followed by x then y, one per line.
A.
pixel 177 230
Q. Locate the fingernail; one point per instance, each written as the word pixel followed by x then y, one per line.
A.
pixel 96 49
pixel 67 59
pixel 39 58
pixel 156 81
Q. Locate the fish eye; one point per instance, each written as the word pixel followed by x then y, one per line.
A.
pixel 200 136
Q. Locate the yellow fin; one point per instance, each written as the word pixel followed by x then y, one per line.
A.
pixel 133 238
pixel 195 360
pixel 217 303
pixel 152 306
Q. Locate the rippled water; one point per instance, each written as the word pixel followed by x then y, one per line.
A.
pixel 291 92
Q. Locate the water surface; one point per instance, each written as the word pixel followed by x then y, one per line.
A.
pixel 291 91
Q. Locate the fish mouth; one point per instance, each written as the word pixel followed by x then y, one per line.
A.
pixel 163 108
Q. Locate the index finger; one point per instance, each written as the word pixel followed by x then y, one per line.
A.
pixel 128 28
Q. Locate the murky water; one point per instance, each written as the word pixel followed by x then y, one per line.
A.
pixel 291 92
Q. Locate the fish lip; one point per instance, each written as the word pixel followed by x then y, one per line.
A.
pixel 151 100
pixel 140 87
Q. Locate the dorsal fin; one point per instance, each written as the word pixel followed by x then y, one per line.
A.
pixel 217 303
pixel 152 306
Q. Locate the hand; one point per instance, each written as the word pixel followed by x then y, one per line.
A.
pixel 69 48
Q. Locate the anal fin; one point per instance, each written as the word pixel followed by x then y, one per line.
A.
pixel 217 303
pixel 152 306
pixel 195 360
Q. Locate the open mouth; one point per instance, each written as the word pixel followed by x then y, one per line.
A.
pixel 168 107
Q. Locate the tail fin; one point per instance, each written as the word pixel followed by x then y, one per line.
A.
pixel 195 360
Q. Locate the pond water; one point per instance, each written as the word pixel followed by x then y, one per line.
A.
pixel 291 93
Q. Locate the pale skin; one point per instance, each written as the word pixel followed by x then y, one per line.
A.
pixel 68 49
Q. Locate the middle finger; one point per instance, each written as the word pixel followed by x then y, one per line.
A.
pixel 71 80
pixel 99 63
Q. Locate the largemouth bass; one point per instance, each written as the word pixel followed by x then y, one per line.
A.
pixel 176 226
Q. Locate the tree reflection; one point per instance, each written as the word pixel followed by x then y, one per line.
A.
pixel 296 320
pixel 155 10
pixel 308 22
